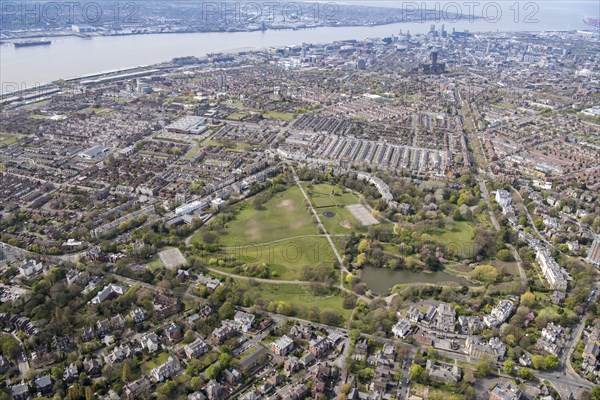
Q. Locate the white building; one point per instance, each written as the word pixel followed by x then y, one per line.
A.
pixel 503 198
pixel 243 320
pixel 499 314
pixel 402 329
pixel 218 202
pixel 381 186
pixel 189 125
pixel 93 152
pixel 191 207
pixel 210 283
pixel 196 348
pixel 446 318
pixel 553 338
pixel 127 151
pixel 111 291
pixel 556 276
pixel 83 28
pixel 30 267
pixel 166 370
pixel 150 341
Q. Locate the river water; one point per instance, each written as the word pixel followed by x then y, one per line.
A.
pixel 71 57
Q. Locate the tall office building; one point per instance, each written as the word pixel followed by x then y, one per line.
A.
pixel 222 81
pixel 361 64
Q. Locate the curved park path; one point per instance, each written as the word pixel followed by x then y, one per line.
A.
pixel 280 240
pixel 263 280
pixel 328 237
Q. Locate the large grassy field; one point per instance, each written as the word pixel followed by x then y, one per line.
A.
pixel 281 234
pixel 285 258
pixel 232 146
pixel 278 115
pixel 283 216
pixel 324 201
pixel 236 116
pixel 301 296
pixel 321 195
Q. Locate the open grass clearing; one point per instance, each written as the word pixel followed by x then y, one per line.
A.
pixel 283 216
pixel 236 116
pixel 342 223
pixel 459 238
pixel 281 234
pixel 301 296
pixel 192 152
pixel 437 393
pixel 328 194
pixel 278 115
pixel 285 258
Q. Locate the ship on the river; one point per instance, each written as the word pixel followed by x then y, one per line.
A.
pixel 30 43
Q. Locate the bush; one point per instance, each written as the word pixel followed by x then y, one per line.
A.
pixel 485 273
pixel 505 255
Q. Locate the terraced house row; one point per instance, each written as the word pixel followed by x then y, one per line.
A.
pixel 383 155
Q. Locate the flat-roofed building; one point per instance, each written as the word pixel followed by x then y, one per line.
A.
pixel 189 125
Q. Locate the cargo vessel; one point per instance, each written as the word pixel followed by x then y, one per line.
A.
pixel 33 43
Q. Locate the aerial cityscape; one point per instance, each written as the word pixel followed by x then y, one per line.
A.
pixel 413 215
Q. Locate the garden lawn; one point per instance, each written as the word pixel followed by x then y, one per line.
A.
pixel 161 358
pixel 437 393
pixel 155 264
pixel 552 312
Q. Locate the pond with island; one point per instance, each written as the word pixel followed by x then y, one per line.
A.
pixel 381 280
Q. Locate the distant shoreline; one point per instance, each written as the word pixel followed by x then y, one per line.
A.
pixel 70 34
pixel 30 81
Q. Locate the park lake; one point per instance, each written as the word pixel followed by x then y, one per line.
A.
pixel 380 280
